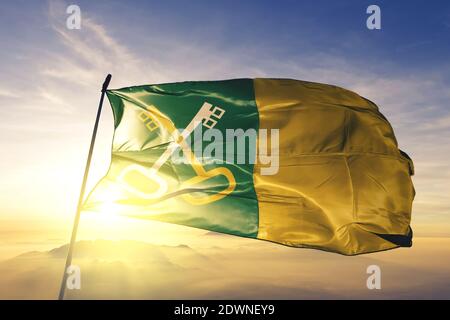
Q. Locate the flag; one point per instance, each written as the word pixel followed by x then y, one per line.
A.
pixel 298 163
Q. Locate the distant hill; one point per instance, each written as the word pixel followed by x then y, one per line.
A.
pixel 110 266
pixel 138 270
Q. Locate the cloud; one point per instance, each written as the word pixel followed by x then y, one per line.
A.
pixel 67 75
pixel 138 270
pixel 439 123
pixel 90 53
pixel 8 93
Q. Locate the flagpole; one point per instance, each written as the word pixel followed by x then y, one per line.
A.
pixel 82 190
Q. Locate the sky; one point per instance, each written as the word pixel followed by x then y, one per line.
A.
pixel 50 80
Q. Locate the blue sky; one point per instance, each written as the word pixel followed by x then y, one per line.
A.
pixel 414 33
pixel 50 77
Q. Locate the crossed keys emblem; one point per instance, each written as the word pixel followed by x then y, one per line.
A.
pixel 207 116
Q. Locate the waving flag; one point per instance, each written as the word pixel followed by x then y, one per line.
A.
pixel 293 162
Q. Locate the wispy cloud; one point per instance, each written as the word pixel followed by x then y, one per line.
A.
pixel 8 93
pixel 67 76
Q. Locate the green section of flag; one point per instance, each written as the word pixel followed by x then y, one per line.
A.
pixel 141 138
